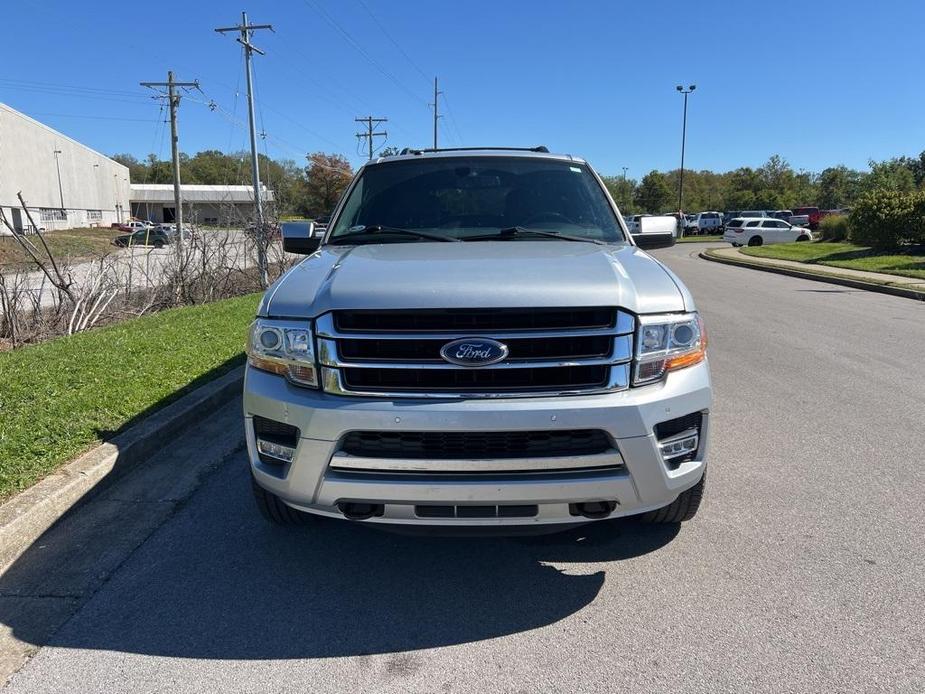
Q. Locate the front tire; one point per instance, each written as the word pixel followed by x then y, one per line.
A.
pixel 684 508
pixel 802 238
pixel 273 509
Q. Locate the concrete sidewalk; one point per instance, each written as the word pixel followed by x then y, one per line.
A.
pixel 910 287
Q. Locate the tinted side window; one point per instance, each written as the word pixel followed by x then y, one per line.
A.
pixel 753 223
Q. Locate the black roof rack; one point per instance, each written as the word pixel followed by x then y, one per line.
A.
pixel 541 148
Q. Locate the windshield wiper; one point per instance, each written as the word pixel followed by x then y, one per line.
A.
pixel 374 232
pixel 524 232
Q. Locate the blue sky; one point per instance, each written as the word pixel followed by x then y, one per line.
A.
pixel 819 83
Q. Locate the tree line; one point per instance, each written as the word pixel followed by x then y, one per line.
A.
pixel 313 190
pixel 773 186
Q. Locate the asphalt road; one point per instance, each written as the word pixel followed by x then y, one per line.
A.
pixel 805 570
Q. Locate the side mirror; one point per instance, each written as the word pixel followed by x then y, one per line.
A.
pixel 299 237
pixel 656 232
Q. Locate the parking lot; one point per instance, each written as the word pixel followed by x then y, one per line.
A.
pixel 804 570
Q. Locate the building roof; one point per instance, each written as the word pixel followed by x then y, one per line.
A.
pixel 56 133
pixel 163 193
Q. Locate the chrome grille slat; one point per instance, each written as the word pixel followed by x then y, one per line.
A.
pixel 399 375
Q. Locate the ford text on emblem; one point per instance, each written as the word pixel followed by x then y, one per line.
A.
pixel 474 351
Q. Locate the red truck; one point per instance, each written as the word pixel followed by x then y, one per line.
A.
pixel 812 214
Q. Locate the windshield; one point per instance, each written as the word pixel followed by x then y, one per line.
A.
pixel 464 197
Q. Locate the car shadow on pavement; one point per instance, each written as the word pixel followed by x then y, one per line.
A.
pixel 218 582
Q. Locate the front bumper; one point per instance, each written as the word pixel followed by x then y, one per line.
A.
pixel 636 477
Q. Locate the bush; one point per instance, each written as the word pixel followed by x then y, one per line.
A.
pixel 834 227
pixel 886 219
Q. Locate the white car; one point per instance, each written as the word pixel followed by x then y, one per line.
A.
pixel 136 225
pixel 632 222
pixel 757 231
pixel 705 223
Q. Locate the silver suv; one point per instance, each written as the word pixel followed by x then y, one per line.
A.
pixel 477 340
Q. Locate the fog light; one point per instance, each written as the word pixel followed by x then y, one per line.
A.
pixel 683 444
pixel 278 451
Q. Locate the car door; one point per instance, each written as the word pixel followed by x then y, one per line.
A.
pixel 770 231
pixel 785 233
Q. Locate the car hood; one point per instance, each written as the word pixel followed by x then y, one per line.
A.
pixel 489 274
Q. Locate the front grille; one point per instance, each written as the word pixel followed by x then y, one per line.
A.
pixel 455 445
pixel 521 349
pixel 476 380
pixel 550 350
pixel 474 321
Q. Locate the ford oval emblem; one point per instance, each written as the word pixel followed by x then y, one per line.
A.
pixel 474 351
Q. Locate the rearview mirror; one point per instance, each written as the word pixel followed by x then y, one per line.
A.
pixel 299 237
pixel 656 232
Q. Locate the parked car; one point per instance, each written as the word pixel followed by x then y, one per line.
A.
pixel 758 231
pixel 729 216
pixel 632 222
pixel 705 223
pixel 544 372
pixel 812 214
pixel 171 231
pixel 144 237
pixel 753 214
pixel 781 214
pixel 136 225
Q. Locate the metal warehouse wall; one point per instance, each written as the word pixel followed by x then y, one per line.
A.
pixel 89 180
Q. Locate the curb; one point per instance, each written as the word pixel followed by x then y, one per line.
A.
pixel 817 277
pixel 27 515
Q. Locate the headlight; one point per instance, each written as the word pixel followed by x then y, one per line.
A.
pixel 285 348
pixel 668 342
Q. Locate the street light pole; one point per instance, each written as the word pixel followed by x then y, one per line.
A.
pixel 685 92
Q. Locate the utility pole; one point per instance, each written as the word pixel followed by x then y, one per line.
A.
pixel 625 191
pixel 371 125
pixel 60 188
pixel 246 31
pixel 436 114
pixel 174 100
pixel 685 92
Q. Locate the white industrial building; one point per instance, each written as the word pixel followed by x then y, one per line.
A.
pixel 64 183
pixel 210 205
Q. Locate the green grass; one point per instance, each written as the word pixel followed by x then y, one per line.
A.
pixel 72 244
pixel 701 239
pixel 59 398
pixel 846 255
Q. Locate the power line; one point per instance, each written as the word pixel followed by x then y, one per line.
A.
pixel 388 35
pixel 68 87
pixel 359 48
pixel 75 115
pixel 449 112
pixel 370 134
